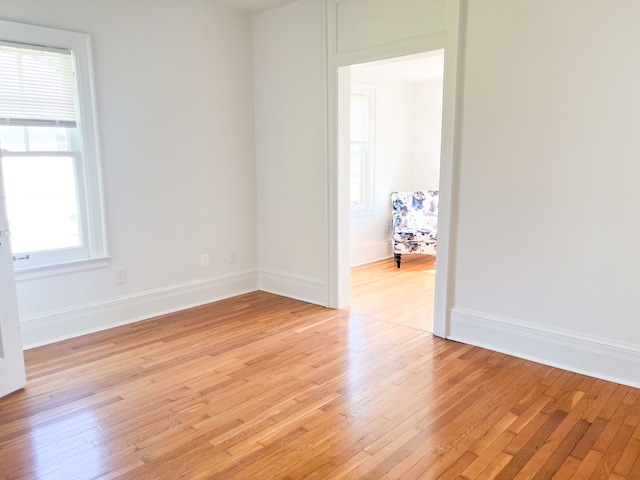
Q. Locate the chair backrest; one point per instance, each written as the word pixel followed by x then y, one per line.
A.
pixel 417 209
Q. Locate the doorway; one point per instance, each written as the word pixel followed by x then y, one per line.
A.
pixel 390 127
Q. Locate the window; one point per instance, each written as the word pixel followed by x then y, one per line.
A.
pixel 48 147
pixel 361 153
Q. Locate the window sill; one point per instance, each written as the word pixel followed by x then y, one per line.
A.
pixel 43 271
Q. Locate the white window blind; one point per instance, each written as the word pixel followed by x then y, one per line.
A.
pixel 37 87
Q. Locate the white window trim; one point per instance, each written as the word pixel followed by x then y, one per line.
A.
pixel 80 45
pixel 367 207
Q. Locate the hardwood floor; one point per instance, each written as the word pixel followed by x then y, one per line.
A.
pixel 263 387
pixel 402 295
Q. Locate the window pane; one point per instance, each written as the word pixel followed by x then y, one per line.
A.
pixel 13 139
pixel 359 123
pixel 19 138
pixel 42 202
pixel 49 139
pixel 361 155
pixel 356 179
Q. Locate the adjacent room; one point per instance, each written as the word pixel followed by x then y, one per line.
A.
pixel 395 129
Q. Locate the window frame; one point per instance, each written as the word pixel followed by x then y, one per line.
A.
pixel 88 169
pixel 366 207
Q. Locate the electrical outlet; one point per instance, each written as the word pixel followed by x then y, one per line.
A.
pixel 204 260
pixel 121 276
pixel 233 256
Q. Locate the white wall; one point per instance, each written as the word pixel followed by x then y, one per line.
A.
pixel 175 110
pixel 547 236
pixel 407 155
pixel 427 118
pixel 290 117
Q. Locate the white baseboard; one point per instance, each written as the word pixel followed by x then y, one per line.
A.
pixel 596 357
pixel 307 289
pixel 370 252
pixel 60 325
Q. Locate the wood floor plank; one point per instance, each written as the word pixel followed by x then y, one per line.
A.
pixel 634 472
pixel 568 469
pixel 263 387
pixel 520 459
pixel 628 457
pixel 614 451
pixel 556 458
pixel 486 456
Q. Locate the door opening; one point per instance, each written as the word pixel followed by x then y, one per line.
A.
pixel 389 138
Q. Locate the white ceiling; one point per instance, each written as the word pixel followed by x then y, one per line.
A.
pixel 421 67
pixel 252 6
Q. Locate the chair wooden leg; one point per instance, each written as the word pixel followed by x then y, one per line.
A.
pixel 398 257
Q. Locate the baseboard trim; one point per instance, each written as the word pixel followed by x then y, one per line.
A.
pixel 369 252
pixel 307 289
pixel 596 357
pixel 54 326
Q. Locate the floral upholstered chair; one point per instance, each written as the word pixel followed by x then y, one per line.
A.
pixel 415 223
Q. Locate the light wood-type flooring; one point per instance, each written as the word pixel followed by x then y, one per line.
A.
pixel 264 387
pixel 401 295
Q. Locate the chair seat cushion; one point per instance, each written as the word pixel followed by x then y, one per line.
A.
pixel 415 235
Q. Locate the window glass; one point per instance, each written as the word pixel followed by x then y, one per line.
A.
pixel 13 139
pixel 42 201
pixel 361 148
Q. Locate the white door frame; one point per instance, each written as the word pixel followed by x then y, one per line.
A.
pixel 338 185
pixel 12 373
